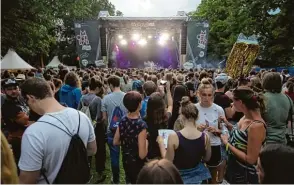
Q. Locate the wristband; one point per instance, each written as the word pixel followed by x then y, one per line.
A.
pixel 227 147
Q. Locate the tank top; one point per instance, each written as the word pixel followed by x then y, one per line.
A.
pixel 239 139
pixel 189 152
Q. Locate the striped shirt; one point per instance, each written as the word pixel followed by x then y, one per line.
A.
pixel 239 139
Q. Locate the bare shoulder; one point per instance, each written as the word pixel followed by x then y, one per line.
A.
pixel 260 124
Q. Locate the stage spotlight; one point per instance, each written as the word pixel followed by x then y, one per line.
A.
pixel 123 42
pixel 120 36
pixel 164 36
pixel 161 42
pixel 149 36
pixel 142 42
pixel 136 36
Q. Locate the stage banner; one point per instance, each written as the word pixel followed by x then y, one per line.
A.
pixel 87 40
pixel 197 39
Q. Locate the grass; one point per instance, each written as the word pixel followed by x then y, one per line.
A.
pixel 107 171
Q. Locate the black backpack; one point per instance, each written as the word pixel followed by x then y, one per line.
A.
pixel 75 168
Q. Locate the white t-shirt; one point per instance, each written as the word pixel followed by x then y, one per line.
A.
pixel 210 115
pixel 45 146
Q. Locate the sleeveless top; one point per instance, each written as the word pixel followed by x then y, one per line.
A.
pixel 189 152
pixel 239 139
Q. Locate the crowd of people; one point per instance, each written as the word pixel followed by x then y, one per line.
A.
pixel 225 130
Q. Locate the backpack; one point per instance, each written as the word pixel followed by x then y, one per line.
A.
pixel 86 109
pixel 117 115
pixel 75 168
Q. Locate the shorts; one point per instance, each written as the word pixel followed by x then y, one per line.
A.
pixel 216 157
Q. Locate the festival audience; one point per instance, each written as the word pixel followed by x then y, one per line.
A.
pixel 160 101
pixel 8 167
pixel 157 118
pixel 70 93
pixel 131 134
pixel 188 147
pixel 111 102
pixel 277 108
pixel 208 121
pixel 15 115
pixel 149 87
pixel 246 139
pixel 290 90
pixel 275 165
pixel 94 102
pixel 44 143
pixel 179 91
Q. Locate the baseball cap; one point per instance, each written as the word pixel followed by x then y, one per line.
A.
pixel 222 78
pixel 9 82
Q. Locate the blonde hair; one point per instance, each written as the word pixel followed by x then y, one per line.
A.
pixel 8 166
pixel 205 84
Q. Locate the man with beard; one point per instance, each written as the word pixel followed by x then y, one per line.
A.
pixel 15 115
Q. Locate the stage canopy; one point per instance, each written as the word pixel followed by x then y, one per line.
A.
pixel 54 62
pixel 11 61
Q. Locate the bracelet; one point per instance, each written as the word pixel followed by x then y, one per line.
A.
pixel 227 147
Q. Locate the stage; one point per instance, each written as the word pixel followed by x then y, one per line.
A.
pixel 139 42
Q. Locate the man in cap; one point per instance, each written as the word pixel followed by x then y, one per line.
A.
pixel 220 98
pixel 15 115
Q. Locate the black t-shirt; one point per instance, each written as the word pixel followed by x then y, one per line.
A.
pixel 221 99
pixel 11 110
pixel 191 87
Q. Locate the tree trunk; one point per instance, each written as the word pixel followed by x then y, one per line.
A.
pixel 42 61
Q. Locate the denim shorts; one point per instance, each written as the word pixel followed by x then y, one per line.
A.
pixel 195 175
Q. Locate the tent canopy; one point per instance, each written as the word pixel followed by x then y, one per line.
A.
pixel 54 62
pixel 11 61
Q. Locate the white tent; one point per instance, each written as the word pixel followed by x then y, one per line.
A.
pixel 54 62
pixel 11 61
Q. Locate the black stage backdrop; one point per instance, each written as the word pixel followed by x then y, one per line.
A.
pixel 87 40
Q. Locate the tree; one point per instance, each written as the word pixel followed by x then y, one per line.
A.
pixel 37 28
pixel 228 18
pixel 276 32
pixel 27 26
pixel 119 13
pixel 66 46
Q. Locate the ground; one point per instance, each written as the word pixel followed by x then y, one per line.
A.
pixel 107 171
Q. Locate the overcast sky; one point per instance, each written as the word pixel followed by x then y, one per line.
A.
pixel 154 8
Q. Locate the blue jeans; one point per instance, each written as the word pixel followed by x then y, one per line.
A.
pixel 114 158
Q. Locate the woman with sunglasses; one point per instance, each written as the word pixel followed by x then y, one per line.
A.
pixel 246 139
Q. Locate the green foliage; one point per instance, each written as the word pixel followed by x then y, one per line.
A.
pixel 118 13
pixel 45 27
pixel 228 18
